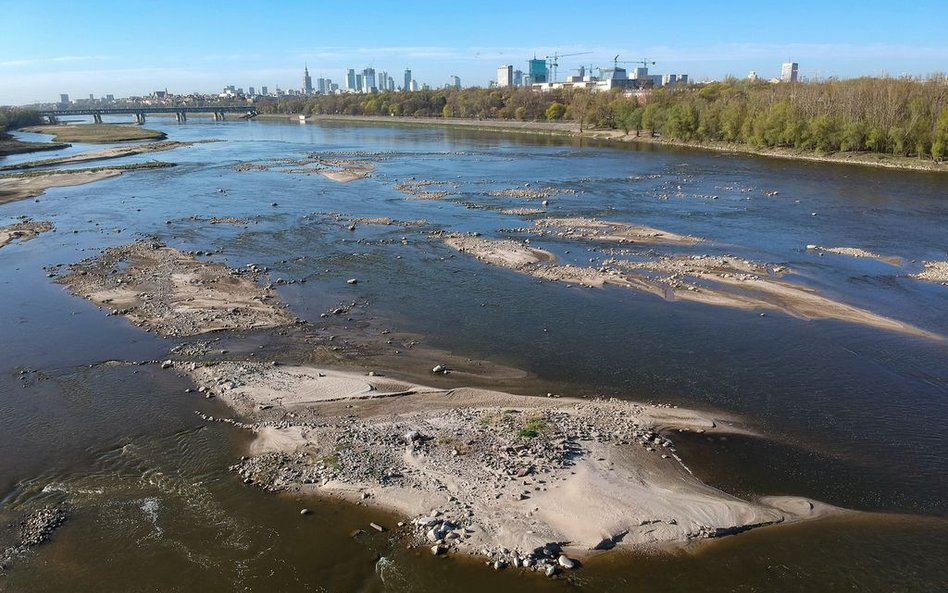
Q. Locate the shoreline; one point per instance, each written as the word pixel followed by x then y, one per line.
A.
pixel 877 160
pixel 31 184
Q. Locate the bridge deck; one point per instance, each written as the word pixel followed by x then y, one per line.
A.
pixel 137 110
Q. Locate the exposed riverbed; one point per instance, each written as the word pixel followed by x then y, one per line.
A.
pixel 345 227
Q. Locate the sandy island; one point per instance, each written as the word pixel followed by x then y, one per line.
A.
pixel 618 232
pixel 170 293
pixel 337 169
pixel 721 281
pixel 935 271
pixel 24 230
pixel 104 154
pixel 856 252
pixel 512 478
pixel 18 186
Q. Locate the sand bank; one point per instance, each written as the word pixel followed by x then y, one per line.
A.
pixel 484 472
pixel 618 232
pixel 935 271
pixel 720 281
pixel 342 170
pixel 98 155
pixel 23 231
pixel 421 190
pixel 856 252
pixel 170 293
pixel 18 186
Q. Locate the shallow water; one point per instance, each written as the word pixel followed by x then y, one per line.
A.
pixel 855 416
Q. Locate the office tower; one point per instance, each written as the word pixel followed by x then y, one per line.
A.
pixel 307 82
pixel 351 80
pixel 789 72
pixel 407 85
pixel 505 76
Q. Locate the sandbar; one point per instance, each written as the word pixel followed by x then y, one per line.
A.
pixel 170 293
pixel 23 231
pixel 484 472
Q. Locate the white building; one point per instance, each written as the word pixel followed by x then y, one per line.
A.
pixel 455 82
pixel 505 76
pixel 789 72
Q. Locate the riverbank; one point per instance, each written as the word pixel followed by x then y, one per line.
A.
pixel 101 155
pixel 98 133
pixel 571 129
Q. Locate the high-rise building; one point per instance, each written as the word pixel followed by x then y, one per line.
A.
pixel 391 83
pixel 263 91
pixel 351 80
pixel 538 73
pixel 368 80
pixel 518 78
pixel 64 98
pixel 383 81
pixel 251 92
pixel 307 81
pixel 412 85
pixel 407 85
pixel 505 76
pixel 359 83
pixel 789 72
pixel 455 82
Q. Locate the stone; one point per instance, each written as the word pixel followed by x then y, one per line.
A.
pixel 565 562
pixel 167 364
pixel 305 512
pixel 352 281
pixel 551 570
pixel 438 550
pixel 377 527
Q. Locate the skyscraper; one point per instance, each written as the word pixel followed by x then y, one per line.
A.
pixel 537 71
pixel 351 80
pixel 368 80
pixel 789 72
pixel 264 91
pixel 307 82
pixel 455 82
pixel 505 75
pixel 407 86
pixel 518 78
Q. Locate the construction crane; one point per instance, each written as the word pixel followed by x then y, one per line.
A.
pixel 553 61
pixel 645 63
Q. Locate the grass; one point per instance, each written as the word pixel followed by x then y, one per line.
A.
pixel 532 427
pixel 98 133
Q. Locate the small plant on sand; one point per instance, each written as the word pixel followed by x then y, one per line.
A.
pixel 532 427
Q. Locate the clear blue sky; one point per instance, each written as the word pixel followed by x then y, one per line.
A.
pixel 136 46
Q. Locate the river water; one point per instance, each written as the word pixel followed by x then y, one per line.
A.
pixel 854 416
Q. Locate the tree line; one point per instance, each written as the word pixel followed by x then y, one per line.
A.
pixel 12 118
pixel 907 117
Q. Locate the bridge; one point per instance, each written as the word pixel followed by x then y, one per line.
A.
pixel 181 113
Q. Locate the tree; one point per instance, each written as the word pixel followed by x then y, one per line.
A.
pixel 579 107
pixel 556 111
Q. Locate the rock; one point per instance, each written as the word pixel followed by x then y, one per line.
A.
pixel 438 550
pixel 565 562
pixel 439 369
pixel 167 364
pixel 305 512
pixel 411 436
pixel 551 570
pixel 352 281
pixel 499 565
pixel 377 527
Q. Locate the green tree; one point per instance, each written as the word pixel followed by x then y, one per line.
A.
pixel 555 111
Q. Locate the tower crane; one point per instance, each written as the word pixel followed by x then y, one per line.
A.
pixel 553 61
pixel 645 63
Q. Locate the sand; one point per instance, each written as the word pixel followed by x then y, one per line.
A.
pixel 511 473
pixel 935 271
pixel 19 188
pixel 718 281
pixel 167 292
pixel 104 154
pixel 605 231
pixel 856 252
pixel 23 231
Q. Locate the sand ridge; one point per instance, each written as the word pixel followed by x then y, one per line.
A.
pixel 23 231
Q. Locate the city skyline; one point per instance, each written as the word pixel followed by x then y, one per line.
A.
pixel 44 57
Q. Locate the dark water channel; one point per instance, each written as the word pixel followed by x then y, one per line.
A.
pixel 855 416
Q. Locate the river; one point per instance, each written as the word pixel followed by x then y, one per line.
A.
pixel 854 416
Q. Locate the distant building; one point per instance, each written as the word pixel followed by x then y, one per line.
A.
pixel 351 80
pixel 251 92
pixel 368 80
pixel 412 85
pixel 753 76
pixel 455 82
pixel 359 82
pixel 263 91
pixel 538 74
pixel 505 76
pixel 518 78
pixel 391 83
pixel 407 85
pixel 382 81
pixel 307 88
pixel 64 99
pixel 789 72
pixel 110 97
